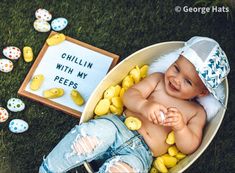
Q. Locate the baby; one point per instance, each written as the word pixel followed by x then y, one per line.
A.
pixel 200 68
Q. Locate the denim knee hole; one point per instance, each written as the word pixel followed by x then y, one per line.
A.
pixel 117 165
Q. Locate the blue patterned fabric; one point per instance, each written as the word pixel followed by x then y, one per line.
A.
pixel 210 61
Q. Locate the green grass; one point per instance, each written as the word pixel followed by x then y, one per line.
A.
pixel 121 27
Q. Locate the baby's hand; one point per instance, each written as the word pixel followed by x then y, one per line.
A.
pixel 152 110
pixel 174 119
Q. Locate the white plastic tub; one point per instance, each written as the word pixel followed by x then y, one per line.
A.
pixel 141 57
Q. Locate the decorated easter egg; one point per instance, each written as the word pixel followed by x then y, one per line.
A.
pixel 6 65
pixel 3 114
pixel 43 14
pixel 18 126
pixel 41 26
pixel 12 52
pixel 59 24
pixel 15 105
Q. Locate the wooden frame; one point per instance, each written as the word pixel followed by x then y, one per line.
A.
pixel 22 90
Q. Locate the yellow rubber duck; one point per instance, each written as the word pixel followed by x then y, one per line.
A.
pixel 169 161
pixel 36 82
pixel 28 54
pixel 135 74
pixel 122 91
pixel 117 90
pixel 153 170
pixel 133 123
pixel 53 93
pixel 170 138
pixel 180 155
pixel 55 39
pixel 109 92
pixel 102 107
pixel 172 150
pixel 144 71
pixel 76 97
pixel 159 164
pixel 127 82
pixel 116 106
pixel 117 102
pixel 116 110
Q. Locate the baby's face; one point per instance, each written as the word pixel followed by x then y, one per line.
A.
pixel 182 81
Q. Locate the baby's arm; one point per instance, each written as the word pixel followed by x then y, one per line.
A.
pixel 135 98
pixel 187 136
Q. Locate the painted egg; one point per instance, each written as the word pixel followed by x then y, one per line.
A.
pixel 12 52
pixel 6 65
pixel 18 126
pixel 41 26
pixel 3 114
pixel 15 105
pixel 43 14
pixel 59 24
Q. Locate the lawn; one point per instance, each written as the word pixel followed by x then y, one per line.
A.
pixel 118 26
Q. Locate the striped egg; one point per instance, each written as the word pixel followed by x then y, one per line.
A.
pixel 59 24
pixel 6 65
pixel 41 26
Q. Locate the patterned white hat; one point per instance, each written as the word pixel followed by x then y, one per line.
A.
pixel 210 61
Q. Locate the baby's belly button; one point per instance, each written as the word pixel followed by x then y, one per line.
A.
pixel 144 133
pixel 147 133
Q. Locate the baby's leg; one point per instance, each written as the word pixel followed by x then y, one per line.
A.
pixel 84 142
pixel 123 163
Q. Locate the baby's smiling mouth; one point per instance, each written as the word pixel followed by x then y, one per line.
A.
pixel 173 87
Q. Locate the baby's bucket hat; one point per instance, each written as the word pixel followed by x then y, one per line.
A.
pixel 210 61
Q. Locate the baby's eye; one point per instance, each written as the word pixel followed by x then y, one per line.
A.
pixel 176 68
pixel 188 82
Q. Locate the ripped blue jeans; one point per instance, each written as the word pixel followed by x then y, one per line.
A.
pixel 124 150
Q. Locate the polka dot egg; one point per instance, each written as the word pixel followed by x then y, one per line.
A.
pixel 43 14
pixel 12 52
pixel 15 105
pixel 59 24
pixel 6 65
pixel 3 115
pixel 41 26
pixel 18 126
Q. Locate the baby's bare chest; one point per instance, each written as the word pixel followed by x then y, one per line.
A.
pixel 187 108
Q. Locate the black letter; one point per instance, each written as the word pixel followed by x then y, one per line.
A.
pixel 90 65
pixel 66 81
pixel 56 78
pixel 61 80
pixel 63 55
pixel 75 86
pixel 59 66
